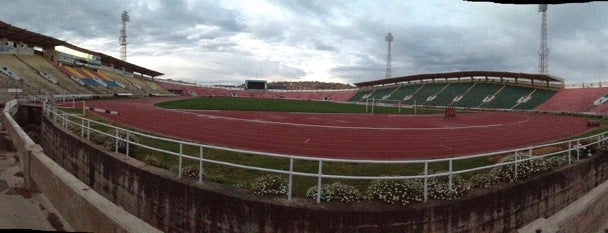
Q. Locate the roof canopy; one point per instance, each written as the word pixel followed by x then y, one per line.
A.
pixel 117 63
pixel 462 74
pixel 31 38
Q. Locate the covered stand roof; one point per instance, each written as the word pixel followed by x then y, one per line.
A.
pixel 25 36
pixel 461 74
pixel 117 63
pixel 31 38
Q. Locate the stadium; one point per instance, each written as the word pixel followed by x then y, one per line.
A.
pixel 473 151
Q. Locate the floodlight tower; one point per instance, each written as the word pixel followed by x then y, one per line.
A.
pixel 388 38
pixel 543 64
pixel 123 36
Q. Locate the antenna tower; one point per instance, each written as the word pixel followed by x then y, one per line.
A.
pixel 123 36
pixel 543 64
pixel 388 38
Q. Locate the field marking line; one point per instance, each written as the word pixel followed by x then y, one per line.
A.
pixel 202 115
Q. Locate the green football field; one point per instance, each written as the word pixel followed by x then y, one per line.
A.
pixel 283 105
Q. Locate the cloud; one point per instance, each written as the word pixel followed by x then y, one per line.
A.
pixel 230 41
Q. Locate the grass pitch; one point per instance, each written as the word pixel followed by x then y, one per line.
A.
pixel 283 105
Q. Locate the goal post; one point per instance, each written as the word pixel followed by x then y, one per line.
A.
pixel 370 103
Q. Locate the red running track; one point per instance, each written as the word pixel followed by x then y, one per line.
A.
pixel 354 136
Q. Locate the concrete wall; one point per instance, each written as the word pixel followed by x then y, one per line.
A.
pixel 184 205
pixel 83 208
pixel 589 213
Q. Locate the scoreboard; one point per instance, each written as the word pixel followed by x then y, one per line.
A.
pixel 255 84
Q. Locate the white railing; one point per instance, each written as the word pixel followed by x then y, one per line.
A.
pixel 597 84
pixel 87 127
pixel 9 108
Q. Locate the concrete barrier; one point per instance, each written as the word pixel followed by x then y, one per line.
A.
pixel 587 214
pixel 82 207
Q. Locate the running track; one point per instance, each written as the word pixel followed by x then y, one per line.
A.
pixel 355 136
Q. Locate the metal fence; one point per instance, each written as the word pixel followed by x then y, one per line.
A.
pixel 520 155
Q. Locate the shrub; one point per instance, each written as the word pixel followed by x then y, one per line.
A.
pixel 602 147
pixel 557 161
pixel 525 169
pixel 336 191
pixel 216 178
pixel 190 171
pixel 150 160
pixel 97 138
pixel 483 180
pixel 439 187
pixel 76 129
pixel 241 185
pixel 271 184
pixel 110 142
pixel 585 149
pixel 395 191
pixel 589 150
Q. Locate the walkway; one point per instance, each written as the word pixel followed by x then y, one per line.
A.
pixel 20 208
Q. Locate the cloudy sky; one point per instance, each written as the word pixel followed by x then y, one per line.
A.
pixel 227 42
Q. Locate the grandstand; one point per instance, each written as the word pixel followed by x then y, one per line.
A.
pixel 462 90
pixel 467 90
pixel 578 100
pixel 487 90
pixel 53 67
pixel 187 89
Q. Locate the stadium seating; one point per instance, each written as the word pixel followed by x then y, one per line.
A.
pixel 103 78
pixel 446 97
pixel 30 79
pixel 403 91
pixel 538 97
pixel 475 96
pixel 500 95
pixel 509 95
pixel 600 109
pixel 64 83
pixel 341 95
pixel 75 73
pixel 358 97
pixel 48 77
pixel 421 96
pixel 193 90
pixel 430 92
pixel 381 94
pixel 574 100
pixel 9 73
pixel 88 75
pixel 110 82
pixel 492 94
pixel 41 75
pixel 115 82
pixel 133 85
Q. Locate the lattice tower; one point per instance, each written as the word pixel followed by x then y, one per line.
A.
pixel 388 38
pixel 123 36
pixel 543 64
